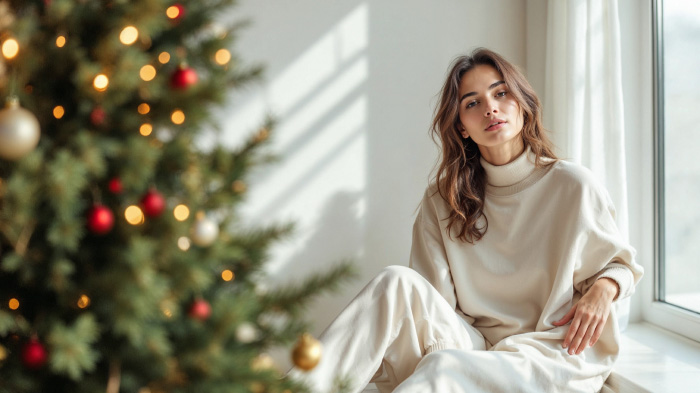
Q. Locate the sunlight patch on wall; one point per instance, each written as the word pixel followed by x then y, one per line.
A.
pixel 320 99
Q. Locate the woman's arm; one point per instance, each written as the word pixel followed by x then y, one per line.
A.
pixel 428 256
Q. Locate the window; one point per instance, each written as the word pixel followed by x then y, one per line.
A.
pixel 677 164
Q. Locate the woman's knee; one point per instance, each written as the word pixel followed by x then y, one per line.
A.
pixel 398 273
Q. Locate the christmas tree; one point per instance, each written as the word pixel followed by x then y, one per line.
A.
pixel 124 262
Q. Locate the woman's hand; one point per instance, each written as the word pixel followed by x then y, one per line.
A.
pixel 589 316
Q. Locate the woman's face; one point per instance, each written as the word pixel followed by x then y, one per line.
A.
pixel 488 112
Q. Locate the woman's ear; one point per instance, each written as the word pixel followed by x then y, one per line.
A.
pixel 462 131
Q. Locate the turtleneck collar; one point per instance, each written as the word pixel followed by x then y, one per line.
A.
pixel 512 172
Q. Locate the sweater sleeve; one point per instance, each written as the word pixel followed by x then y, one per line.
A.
pixel 428 256
pixel 605 253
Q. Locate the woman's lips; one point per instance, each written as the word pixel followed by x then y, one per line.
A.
pixel 496 126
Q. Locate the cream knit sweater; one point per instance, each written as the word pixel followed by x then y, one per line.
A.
pixel 551 234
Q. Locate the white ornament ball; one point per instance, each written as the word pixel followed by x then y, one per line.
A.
pixel 19 131
pixel 246 333
pixel 204 232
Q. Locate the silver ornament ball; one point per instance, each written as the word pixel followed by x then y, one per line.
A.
pixel 19 131
pixel 204 232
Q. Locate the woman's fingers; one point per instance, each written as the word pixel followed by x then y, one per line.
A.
pixel 590 330
pixel 598 331
pixel 571 333
pixel 585 330
pixel 567 317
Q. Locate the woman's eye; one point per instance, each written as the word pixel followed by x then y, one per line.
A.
pixel 501 94
pixel 471 104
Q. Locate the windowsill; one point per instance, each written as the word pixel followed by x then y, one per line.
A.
pixel 655 360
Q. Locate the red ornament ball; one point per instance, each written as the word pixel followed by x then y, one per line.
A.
pixel 115 185
pixel 98 116
pixel 200 310
pixel 183 78
pixel 153 203
pixel 34 354
pixel 100 220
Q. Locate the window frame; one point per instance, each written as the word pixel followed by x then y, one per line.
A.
pixel 659 312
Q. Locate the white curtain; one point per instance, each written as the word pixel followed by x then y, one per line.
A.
pixel 583 95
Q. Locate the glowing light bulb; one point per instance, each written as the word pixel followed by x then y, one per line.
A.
pixel 144 108
pixel 101 82
pixel 178 116
pixel 14 304
pixel 10 48
pixel 134 215
pixel 129 35
pixel 58 112
pixel 146 129
pixel 60 41
pixel 222 56
pixel 148 72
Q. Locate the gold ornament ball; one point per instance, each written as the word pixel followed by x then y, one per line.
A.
pixel 19 131
pixel 307 352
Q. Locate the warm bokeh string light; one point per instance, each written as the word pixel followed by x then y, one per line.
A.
pixel 144 108
pixel 60 41
pixel 13 304
pixel 129 35
pixel 181 212
pixel 101 82
pixel 146 129
pixel 83 301
pixel 222 57
pixel 178 116
pixel 227 275
pixel 172 12
pixel 148 72
pixel 184 243
pixel 134 215
pixel 58 111
pixel 164 57
pixel 10 48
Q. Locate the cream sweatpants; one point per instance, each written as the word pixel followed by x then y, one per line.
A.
pixel 386 330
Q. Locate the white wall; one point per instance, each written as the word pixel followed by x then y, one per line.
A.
pixel 353 84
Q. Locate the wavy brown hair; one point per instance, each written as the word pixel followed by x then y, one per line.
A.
pixel 460 178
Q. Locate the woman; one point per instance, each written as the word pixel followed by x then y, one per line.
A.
pixel 516 261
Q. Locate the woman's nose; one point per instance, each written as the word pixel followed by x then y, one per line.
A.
pixel 491 107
